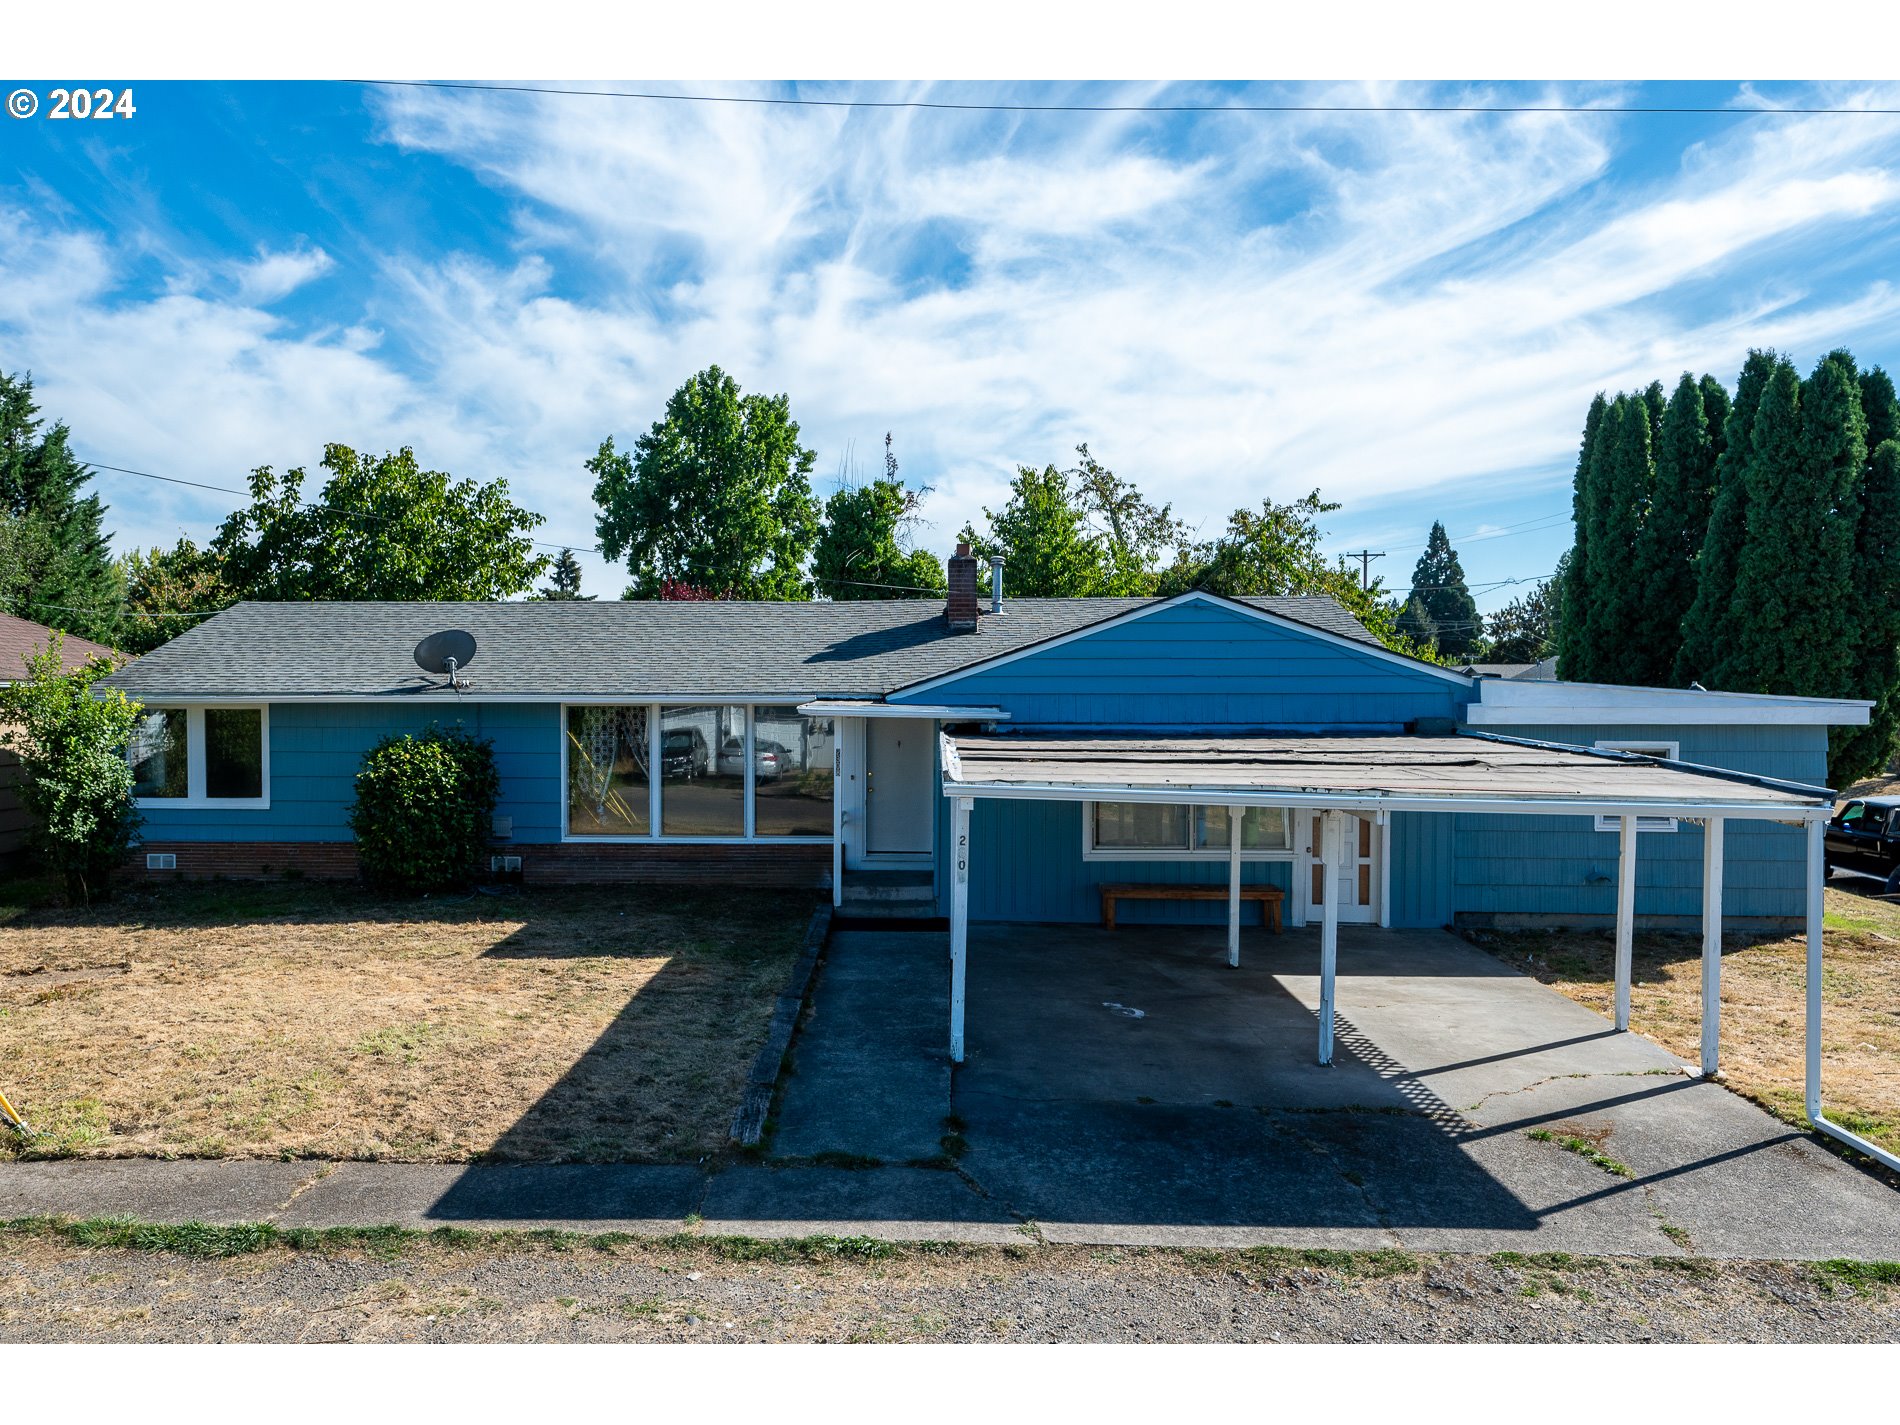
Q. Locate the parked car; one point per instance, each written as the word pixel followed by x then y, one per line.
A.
pixel 772 758
pixel 1864 836
pixel 683 753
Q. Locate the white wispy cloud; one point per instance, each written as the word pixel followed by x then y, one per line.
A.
pixel 1373 305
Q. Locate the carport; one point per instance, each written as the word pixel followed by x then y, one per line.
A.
pixel 1458 771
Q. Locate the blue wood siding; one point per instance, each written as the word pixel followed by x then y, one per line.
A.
pixel 1420 877
pixel 1563 867
pixel 317 749
pixel 1204 665
pixel 1027 865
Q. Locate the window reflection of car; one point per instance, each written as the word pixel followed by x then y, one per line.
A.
pixel 771 758
pixel 683 753
pixel 1864 836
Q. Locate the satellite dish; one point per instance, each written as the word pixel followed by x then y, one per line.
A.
pixel 449 652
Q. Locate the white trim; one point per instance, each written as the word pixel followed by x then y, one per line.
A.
pixel 1794 813
pixel 195 798
pixel 1370 650
pixel 1506 701
pixel 846 707
pixel 1190 852
pixel 1672 752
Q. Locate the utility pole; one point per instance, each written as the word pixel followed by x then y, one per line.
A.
pixel 1365 558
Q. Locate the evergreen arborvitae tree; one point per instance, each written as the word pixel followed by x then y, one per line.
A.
pixel 564 581
pixel 1621 478
pixel 1715 405
pixel 1706 630
pixel 1794 625
pixel 1438 583
pixel 1856 752
pixel 1881 406
pixel 75 583
pixel 1415 622
pixel 1663 571
pixel 1656 402
pixel 1573 588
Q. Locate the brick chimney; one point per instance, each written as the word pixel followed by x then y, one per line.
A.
pixel 961 608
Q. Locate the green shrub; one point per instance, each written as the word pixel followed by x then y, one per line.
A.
pixel 424 806
pixel 75 782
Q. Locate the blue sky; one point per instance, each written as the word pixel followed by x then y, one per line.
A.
pixel 1409 312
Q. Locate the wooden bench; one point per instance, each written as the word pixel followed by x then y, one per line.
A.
pixel 1268 896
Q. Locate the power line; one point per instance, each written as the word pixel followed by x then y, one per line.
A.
pixel 1753 111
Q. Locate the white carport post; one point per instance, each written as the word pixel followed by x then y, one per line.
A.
pixel 837 814
pixel 1328 928
pixel 1817 902
pixel 1233 886
pixel 1625 918
pixel 959 918
pixel 1711 946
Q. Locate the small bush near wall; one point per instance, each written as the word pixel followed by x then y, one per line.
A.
pixel 424 806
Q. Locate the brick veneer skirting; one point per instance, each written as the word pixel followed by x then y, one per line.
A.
pixel 570 863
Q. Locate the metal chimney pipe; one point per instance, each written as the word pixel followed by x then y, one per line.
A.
pixel 996 584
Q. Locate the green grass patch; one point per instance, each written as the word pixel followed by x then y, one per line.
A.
pixel 1384 1262
pixel 1584 1149
pixel 1863 1277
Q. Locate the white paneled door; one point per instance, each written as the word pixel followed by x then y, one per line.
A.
pixel 1357 876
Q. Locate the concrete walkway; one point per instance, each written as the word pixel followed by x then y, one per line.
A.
pixel 1202 1120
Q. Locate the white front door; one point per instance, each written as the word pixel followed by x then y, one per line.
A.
pixel 898 756
pixel 1357 876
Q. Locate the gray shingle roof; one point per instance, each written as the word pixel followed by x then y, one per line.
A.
pixel 616 648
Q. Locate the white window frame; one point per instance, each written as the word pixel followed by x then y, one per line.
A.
pixel 195 798
pixel 653 834
pixel 1669 750
pixel 1092 852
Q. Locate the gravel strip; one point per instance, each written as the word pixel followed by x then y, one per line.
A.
pixel 53 1290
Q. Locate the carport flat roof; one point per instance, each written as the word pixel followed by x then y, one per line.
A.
pixel 1459 772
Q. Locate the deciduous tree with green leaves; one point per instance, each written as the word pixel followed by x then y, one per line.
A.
pixel 862 551
pixel 1138 538
pixel 1043 533
pixel 168 591
pixel 75 780
pixel 717 495
pixel 381 528
pixel 1525 630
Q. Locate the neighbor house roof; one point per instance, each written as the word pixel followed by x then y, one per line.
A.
pixel 20 638
pixel 618 649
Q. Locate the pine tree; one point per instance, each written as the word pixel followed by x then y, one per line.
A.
pixel 1438 583
pixel 1663 571
pixel 1416 623
pixel 1706 630
pixel 75 585
pixel 1621 481
pixel 1573 651
pixel 564 581
pixel 1857 752
pixel 1794 627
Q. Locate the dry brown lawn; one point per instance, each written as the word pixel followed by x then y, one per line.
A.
pixel 265 1021
pixel 1764 1005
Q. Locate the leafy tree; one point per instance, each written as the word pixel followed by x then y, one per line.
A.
pixel 168 591
pixel 72 582
pixel 424 807
pixel 1525 630
pixel 1137 538
pixel 382 528
pixel 75 780
pixel 1275 551
pixel 1792 625
pixel 717 494
pixel 1438 584
pixel 1044 535
pixel 1857 752
pixel 564 581
pixel 1706 631
pixel 1662 568
pixel 1574 651
pixel 861 552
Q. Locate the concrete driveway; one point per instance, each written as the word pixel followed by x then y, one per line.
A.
pixel 1130 1087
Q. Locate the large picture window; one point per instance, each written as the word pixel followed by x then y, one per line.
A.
pixel 218 756
pixel 725 772
pixel 607 779
pixel 1135 831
